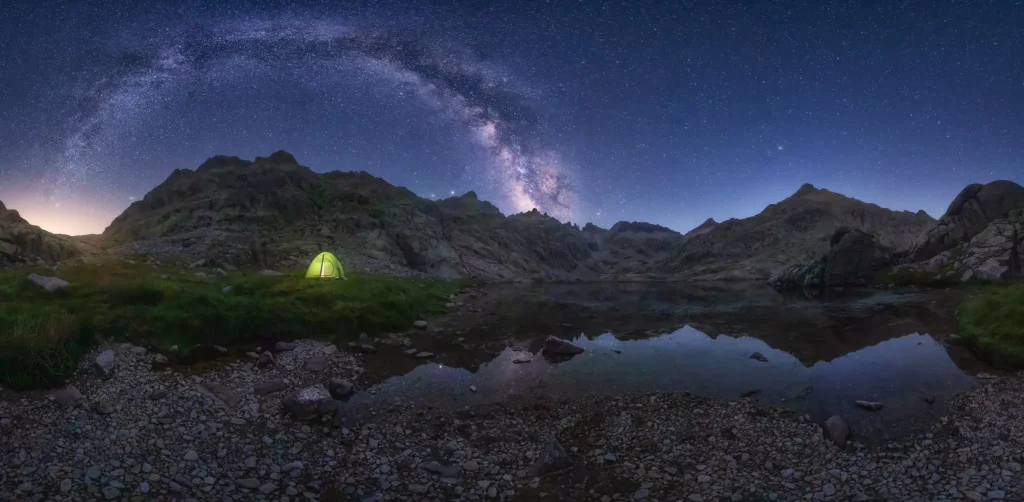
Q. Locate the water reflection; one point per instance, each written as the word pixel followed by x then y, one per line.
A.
pixel 822 355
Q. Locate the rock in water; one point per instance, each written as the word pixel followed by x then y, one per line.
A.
pixel 48 283
pixel 310 403
pixel 67 397
pixel 552 459
pixel 837 430
pixel 759 357
pixel 219 393
pixel 870 405
pixel 558 347
pixel 339 388
pixel 104 364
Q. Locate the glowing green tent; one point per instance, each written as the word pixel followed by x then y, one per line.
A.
pixel 325 266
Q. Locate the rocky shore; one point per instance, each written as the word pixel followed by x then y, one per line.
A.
pixel 221 434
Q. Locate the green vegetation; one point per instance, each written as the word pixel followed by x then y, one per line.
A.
pixel 43 334
pixel 992 322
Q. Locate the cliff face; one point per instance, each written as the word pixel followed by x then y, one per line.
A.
pixel 979 237
pixel 275 212
pixel 22 242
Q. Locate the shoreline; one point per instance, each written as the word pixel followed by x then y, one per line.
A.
pixel 119 443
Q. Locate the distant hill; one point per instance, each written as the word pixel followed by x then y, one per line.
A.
pixel 274 212
pixel 22 242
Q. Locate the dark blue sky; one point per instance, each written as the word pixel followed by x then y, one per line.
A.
pixel 669 112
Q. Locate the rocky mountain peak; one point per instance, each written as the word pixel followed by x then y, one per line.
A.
pixel 222 162
pixel 280 157
pixel 806 189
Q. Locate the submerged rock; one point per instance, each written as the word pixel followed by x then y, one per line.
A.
pixel 310 403
pixel 559 347
pixel 759 357
pixel 870 405
pixel 837 430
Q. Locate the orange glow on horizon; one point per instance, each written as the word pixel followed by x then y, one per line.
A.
pixel 70 218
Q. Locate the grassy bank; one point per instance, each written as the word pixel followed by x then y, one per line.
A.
pixel 992 322
pixel 43 334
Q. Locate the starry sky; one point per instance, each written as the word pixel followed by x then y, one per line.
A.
pixel 669 112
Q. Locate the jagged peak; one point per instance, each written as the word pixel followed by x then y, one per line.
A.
pixel 470 195
pixel 806 189
pixel 220 162
pixel 639 226
pixel 279 157
pixel 2 206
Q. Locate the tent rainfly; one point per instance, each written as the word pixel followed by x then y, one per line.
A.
pixel 325 266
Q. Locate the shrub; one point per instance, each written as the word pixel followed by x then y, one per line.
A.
pixel 40 348
pixel 993 323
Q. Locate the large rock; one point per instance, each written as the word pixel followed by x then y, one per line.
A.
pixel 105 364
pixel 854 258
pixel 558 347
pixel 48 283
pixel 310 403
pixel 970 213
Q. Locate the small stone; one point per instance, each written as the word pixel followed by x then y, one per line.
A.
pixel 265 359
pixel 472 388
pixel 424 355
pixel 837 430
pixel 111 493
pixel 191 456
pixel 328 350
pixel 139 350
pixel 829 490
pixel 225 289
pixel 158 394
pixel 105 363
pixel 159 362
pixel 68 396
pixel 757 356
pixel 641 494
pixel 268 488
pixel 703 478
pixel 309 403
pixel 220 349
pixel 997 495
pixel 104 407
pixel 66 485
pixel 269 387
pixel 421 324
pixel 695 497
pixel 471 465
pixel 609 457
pixel 315 364
pixel 339 388
pixel 417 488
pixel 284 346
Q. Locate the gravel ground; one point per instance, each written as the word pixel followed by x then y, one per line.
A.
pixel 163 435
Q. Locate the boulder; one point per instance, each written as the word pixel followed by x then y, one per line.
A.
pixel 837 430
pixel 558 347
pixel 265 359
pixel 757 356
pixel 968 215
pixel 284 346
pixel 854 258
pixel 311 403
pixel 105 363
pixel 48 283
pixel 421 324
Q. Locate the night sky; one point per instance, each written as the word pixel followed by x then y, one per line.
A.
pixel 668 112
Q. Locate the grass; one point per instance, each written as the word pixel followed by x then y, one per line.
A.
pixel 43 334
pixel 992 322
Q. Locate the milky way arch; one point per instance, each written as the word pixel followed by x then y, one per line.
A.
pixel 499 117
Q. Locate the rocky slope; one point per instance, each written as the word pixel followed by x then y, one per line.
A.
pixel 22 242
pixel 794 231
pixel 978 237
pixel 275 212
